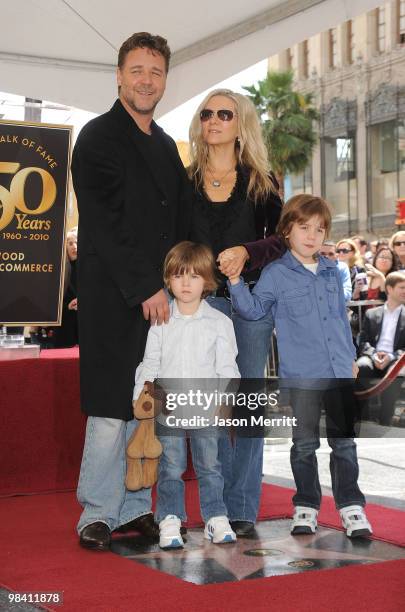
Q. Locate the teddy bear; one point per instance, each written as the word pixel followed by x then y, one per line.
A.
pixel 144 448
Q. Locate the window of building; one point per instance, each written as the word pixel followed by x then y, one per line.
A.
pixel 345 158
pixel 305 58
pixel 290 58
pixel 332 48
pixel 381 29
pixel 383 179
pixel 339 176
pixel 401 21
pixel 388 148
pixel 302 182
pixel 350 42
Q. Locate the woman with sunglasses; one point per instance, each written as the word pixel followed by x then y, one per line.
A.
pixel 384 262
pixel 397 244
pixel 236 201
pixel 348 252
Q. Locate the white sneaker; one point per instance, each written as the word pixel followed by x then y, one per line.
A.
pixel 169 529
pixel 219 531
pixel 354 520
pixel 304 521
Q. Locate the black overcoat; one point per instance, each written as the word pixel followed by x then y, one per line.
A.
pixel 127 224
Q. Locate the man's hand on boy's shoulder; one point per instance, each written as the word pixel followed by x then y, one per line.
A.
pixel 156 308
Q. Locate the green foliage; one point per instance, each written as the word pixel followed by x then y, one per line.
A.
pixel 287 118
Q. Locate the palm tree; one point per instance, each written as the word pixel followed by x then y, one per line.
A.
pixel 287 117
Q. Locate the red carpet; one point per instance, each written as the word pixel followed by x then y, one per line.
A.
pixel 41 437
pixel 276 503
pixel 39 552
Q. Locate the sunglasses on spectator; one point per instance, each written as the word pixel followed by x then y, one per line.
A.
pixel 345 251
pixel 330 254
pixel 387 257
pixel 223 114
pixel 399 243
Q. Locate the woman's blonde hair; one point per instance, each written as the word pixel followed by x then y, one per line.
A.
pixel 394 237
pixel 355 257
pixel 250 149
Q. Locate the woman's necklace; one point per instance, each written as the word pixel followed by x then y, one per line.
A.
pixel 217 182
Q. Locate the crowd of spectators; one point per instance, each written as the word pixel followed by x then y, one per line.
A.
pixel 376 309
pixel 370 263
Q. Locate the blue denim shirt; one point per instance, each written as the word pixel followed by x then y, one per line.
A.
pixel 313 332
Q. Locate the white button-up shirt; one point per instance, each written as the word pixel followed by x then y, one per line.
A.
pixel 198 346
pixel 389 325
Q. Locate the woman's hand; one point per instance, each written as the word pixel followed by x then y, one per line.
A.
pixel 377 278
pixel 356 292
pixel 232 261
pixel 73 304
pixel 373 272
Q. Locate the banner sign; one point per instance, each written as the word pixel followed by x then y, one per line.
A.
pixel 34 170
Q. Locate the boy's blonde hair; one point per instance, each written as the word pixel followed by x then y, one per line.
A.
pixel 190 256
pixel 299 209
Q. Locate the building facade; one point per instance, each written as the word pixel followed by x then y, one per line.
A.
pixel 357 74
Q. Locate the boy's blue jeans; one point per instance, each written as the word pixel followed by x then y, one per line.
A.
pixel 344 469
pixel 173 463
pixel 242 461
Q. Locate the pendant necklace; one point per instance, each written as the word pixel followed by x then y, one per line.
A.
pixel 217 182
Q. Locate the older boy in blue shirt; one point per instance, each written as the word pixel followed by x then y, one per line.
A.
pixel 317 356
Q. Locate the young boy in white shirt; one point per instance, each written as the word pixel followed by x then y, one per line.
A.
pixel 197 342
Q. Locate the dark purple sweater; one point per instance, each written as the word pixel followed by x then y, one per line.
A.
pixel 263 252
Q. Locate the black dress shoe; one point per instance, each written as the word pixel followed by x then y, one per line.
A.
pixel 143 524
pixel 96 536
pixel 134 526
pixel 242 528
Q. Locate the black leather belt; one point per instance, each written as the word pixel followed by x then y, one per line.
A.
pixel 224 291
pixel 221 292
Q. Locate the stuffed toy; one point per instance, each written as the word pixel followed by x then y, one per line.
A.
pixel 144 449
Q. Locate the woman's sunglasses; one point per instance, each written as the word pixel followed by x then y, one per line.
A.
pixel 223 114
pixel 399 243
pixel 345 251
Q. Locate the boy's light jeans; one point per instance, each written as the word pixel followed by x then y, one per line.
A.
pixel 101 490
pixel 173 463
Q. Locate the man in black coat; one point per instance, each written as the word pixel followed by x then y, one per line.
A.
pixel 382 342
pixel 134 205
